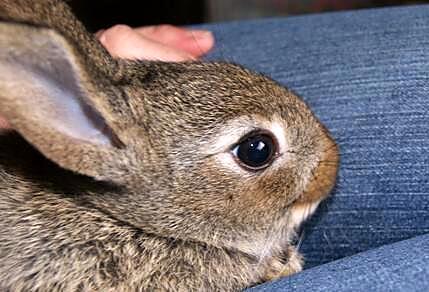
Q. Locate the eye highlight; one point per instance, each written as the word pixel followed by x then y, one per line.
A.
pixel 256 150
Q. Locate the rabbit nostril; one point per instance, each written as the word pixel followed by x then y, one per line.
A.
pixel 255 151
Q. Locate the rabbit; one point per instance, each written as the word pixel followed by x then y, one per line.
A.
pixel 128 175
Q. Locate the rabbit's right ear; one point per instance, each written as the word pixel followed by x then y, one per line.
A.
pixel 48 96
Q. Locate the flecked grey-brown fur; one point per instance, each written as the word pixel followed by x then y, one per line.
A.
pixel 151 211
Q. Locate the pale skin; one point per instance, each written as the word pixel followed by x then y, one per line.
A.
pixel 160 42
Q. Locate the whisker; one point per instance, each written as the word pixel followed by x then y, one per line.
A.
pixel 300 239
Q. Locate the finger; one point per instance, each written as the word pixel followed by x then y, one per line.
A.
pixel 123 42
pixel 99 33
pixel 193 41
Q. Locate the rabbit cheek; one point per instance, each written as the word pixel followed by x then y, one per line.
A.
pixel 277 188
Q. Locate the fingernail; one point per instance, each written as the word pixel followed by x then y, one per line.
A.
pixel 201 34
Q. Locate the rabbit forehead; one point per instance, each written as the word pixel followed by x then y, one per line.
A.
pixel 199 99
pixel 204 91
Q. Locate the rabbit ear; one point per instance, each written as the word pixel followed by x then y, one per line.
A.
pixel 46 95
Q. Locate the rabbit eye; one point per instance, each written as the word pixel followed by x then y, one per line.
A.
pixel 255 151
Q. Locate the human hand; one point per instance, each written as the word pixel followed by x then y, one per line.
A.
pixel 160 42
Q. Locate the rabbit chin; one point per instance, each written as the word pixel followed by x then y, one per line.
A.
pixel 300 212
pixel 264 247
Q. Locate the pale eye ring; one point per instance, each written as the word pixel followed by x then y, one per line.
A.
pixel 256 150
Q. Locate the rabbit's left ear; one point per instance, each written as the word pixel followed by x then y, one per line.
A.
pixel 48 96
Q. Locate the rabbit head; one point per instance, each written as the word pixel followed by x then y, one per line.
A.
pixel 209 152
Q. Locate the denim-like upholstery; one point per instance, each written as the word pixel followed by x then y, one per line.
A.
pixel 402 266
pixel 365 75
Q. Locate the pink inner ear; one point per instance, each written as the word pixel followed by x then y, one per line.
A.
pixel 41 84
pixel 57 105
pixel 44 94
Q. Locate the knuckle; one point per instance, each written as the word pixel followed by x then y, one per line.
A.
pixel 119 28
pixel 115 34
pixel 163 27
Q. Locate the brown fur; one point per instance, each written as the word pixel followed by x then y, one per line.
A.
pixel 151 210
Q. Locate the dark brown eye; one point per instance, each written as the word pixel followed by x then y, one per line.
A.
pixel 256 151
